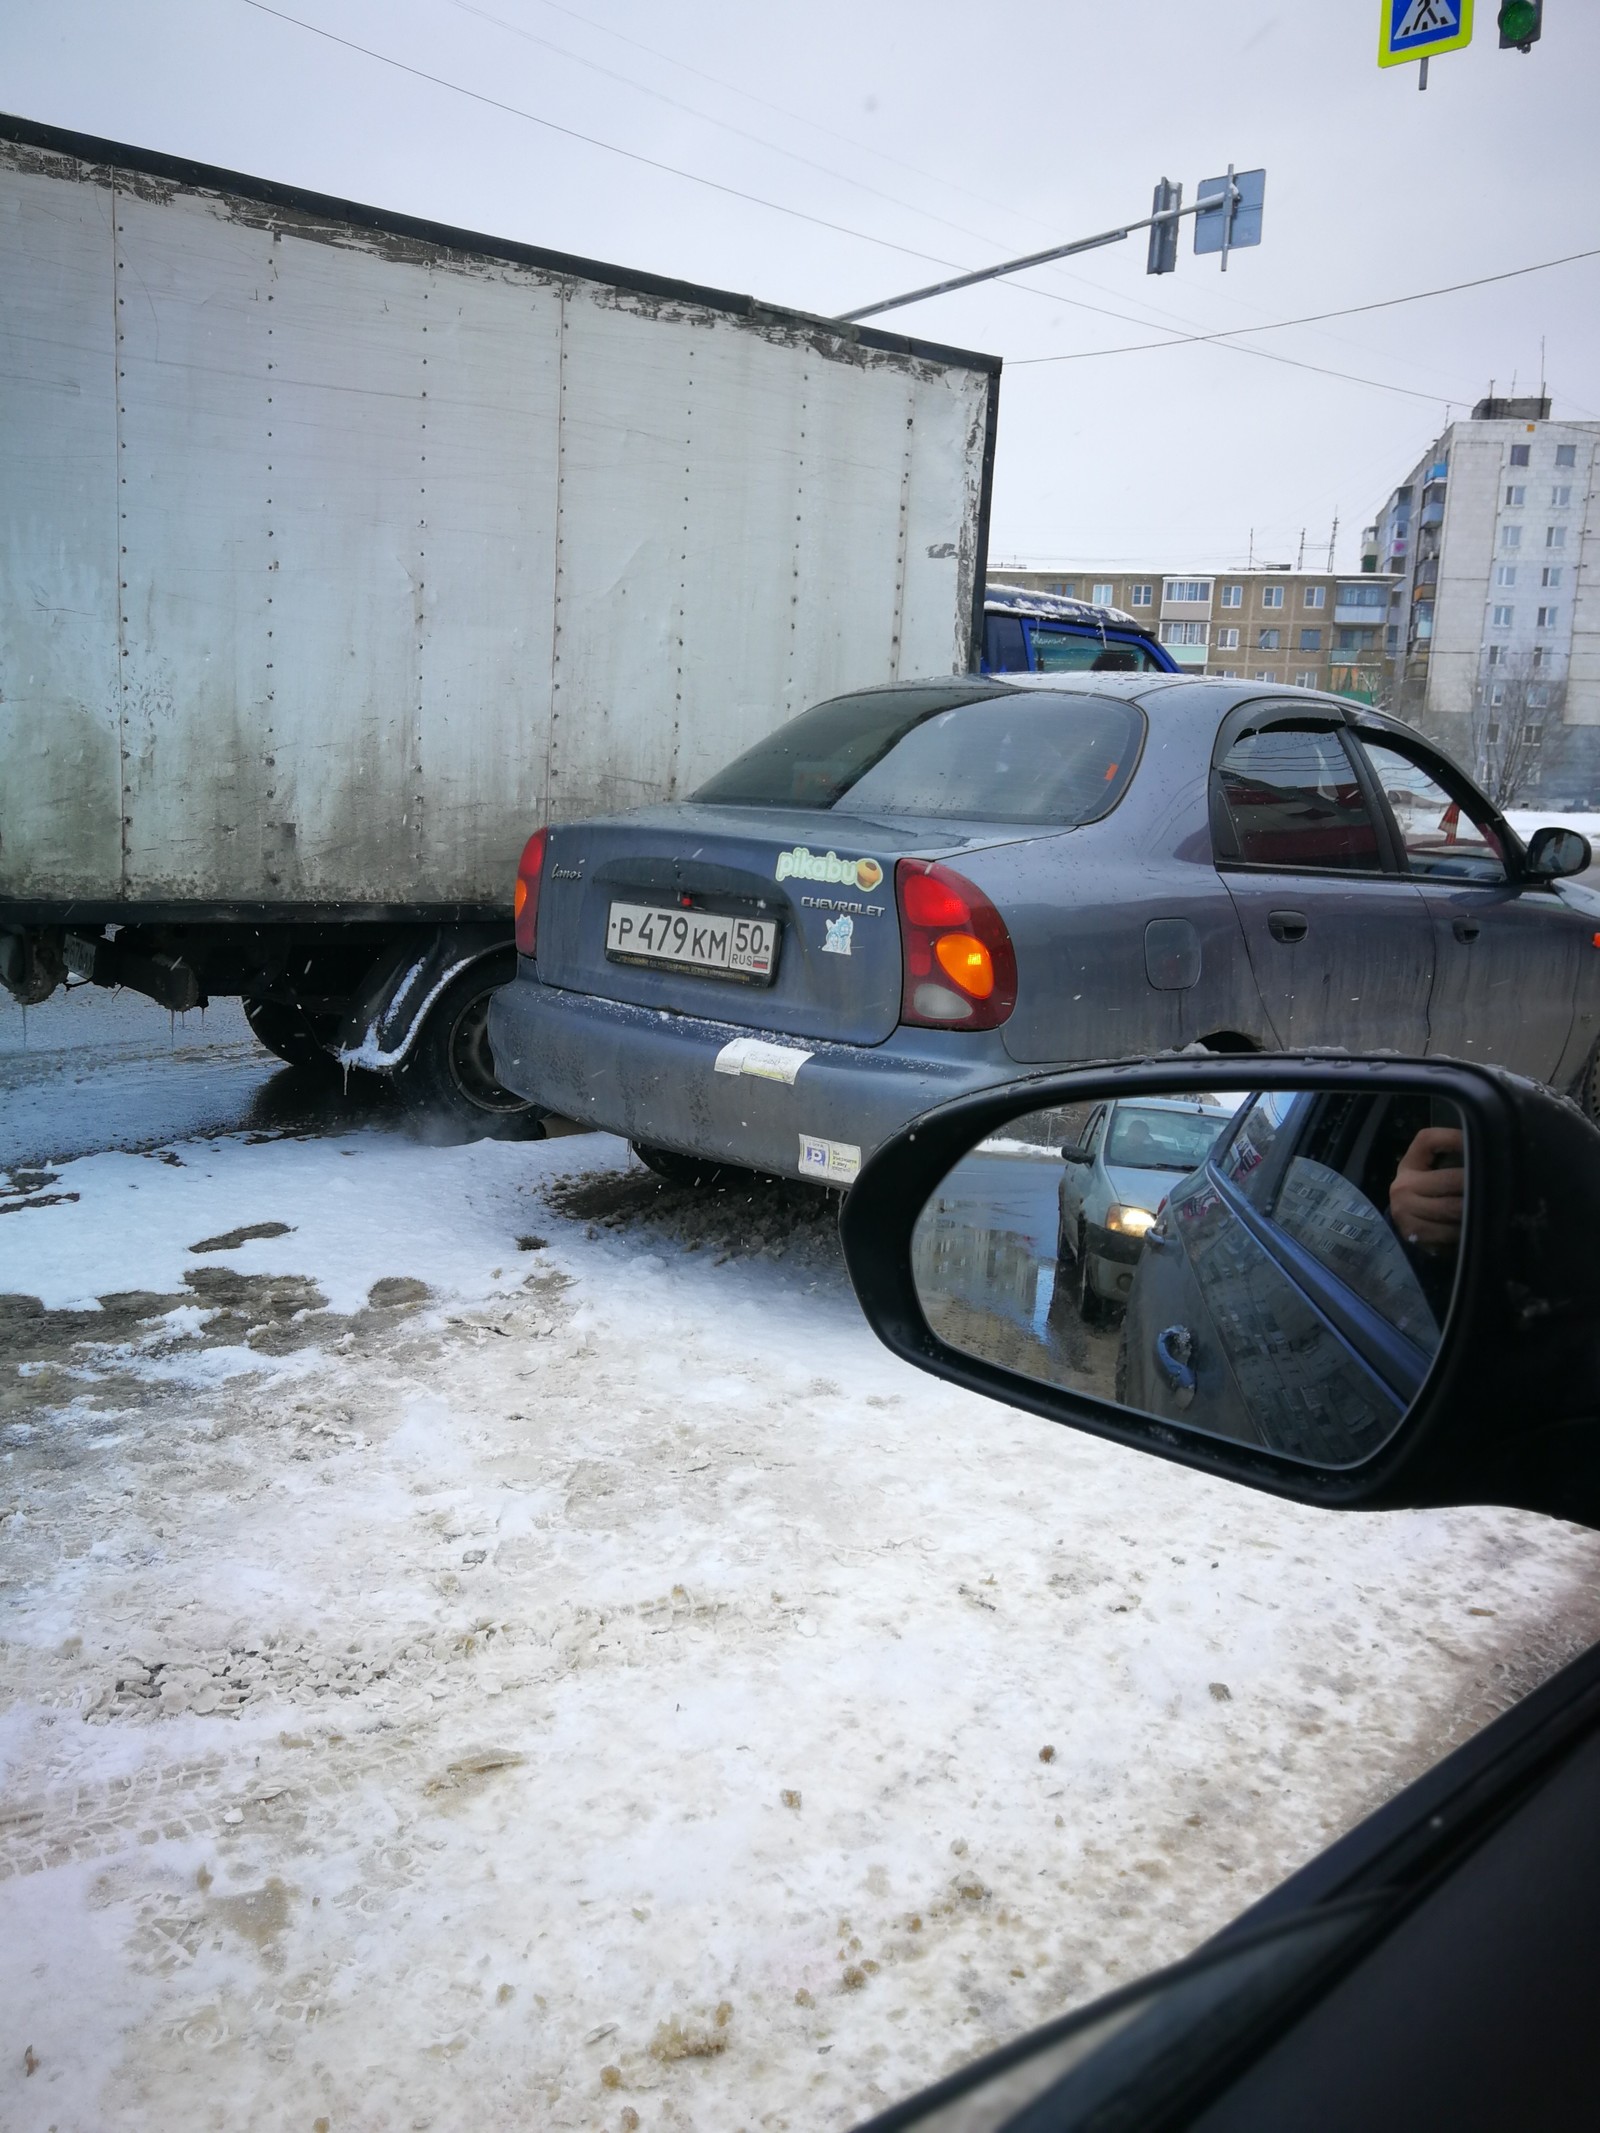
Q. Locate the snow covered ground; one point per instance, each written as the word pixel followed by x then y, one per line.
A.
pixel 502 1646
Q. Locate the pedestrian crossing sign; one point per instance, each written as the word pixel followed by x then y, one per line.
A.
pixel 1417 29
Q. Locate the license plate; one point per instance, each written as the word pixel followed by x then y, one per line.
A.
pixel 743 949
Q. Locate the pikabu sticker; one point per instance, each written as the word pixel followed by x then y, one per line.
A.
pixel 800 864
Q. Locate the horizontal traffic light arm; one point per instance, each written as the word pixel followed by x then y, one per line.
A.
pixel 1211 203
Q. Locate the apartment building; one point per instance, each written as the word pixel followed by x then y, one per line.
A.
pixel 1492 638
pixel 1311 629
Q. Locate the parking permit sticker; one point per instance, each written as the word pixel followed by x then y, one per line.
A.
pixel 765 1062
pixel 830 1162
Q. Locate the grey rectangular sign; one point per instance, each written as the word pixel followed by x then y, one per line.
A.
pixel 1210 231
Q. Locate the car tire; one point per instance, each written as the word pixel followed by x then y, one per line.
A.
pixel 289 1032
pixel 698 1171
pixel 447 1079
pixel 1092 1306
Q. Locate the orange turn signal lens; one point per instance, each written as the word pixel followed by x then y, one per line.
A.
pixel 519 898
pixel 966 962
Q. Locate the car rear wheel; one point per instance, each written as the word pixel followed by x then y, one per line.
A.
pixel 1092 1306
pixel 447 1079
pixel 699 1171
pixel 289 1032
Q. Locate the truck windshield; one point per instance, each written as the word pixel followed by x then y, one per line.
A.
pixel 995 756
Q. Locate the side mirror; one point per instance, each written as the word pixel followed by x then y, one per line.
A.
pixel 1074 1152
pixel 1365 1284
pixel 1554 853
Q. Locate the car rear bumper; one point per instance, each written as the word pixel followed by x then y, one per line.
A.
pixel 653 1077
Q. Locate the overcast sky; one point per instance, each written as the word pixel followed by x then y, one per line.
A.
pixel 902 139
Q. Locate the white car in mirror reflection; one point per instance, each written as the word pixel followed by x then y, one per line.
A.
pixel 1290 1294
pixel 1113 1184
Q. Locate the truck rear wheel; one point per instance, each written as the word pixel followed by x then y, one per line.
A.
pixel 447 1079
pixel 289 1032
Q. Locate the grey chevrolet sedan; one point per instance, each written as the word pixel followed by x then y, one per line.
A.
pixel 916 891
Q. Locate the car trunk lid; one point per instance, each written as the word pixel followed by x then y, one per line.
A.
pixel 824 880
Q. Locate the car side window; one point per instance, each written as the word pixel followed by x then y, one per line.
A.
pixel 1004 646
pixel 1247 1160
pixel 1059 651
pixel 1440 837
pixel 1292 799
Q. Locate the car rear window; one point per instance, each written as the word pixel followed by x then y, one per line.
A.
pixel 1000 756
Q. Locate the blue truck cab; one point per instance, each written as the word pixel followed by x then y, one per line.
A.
pixel 1046 633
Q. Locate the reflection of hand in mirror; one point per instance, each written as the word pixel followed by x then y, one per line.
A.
pixel 1425 1199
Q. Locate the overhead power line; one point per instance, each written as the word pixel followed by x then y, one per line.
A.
pixel 591 140
pixel 1315 318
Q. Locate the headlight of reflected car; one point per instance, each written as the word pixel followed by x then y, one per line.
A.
pixel 1128 1221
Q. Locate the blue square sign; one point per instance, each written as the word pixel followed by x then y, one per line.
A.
pixel 1416 29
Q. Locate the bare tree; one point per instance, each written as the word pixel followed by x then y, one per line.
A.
pixel 1514 706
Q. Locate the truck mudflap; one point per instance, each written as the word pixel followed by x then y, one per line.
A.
pixel 394 998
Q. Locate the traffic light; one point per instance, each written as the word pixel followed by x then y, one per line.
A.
pixel 1521 24
pixel 1163 256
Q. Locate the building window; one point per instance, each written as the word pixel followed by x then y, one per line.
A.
pixel 1505 574
pixel 1272 596
pixel 1501 618
pixel 1519 455
pixel 1541 657
pixel 1306 678
pixel 1228 674
pixel 1261 674
pixel 1391 638
pixel 1561 496
pixel 1269 640
pixel 1531 732
pixel 1547 618
pixel 1551 574
pixel 1183 632
pixel 1310 641
pixel 1141 595
pixel 1510 537
pixel 1555 536
pixel 1566 455
pixel 1491 732
pixel 1497 695
pixel 1538 694
pixel 1102 595
pixel 1516 495
pixel 1315 596
pixel 1228 640
pixel 1189 592
pixel 1497 652
pixel 1233 596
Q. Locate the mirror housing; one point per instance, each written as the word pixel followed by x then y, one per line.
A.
pixel 1555 852
pixel 1075 1152
pixel 1510 1411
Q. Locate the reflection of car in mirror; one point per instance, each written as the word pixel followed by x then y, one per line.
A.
pixel 1114 1182
pixel 1277 1302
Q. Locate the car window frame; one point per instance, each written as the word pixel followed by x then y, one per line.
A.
pixel 1460 788
pixel 1394 1359
pixel 1266 715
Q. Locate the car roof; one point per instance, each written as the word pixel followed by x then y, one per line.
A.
pixel 1057 607
pixel 1191 1105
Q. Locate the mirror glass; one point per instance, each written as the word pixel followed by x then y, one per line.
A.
pixel 1271 1268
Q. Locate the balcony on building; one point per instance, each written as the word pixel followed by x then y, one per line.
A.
pixel 1426 572
pixel 1432 513
pixel 1360 603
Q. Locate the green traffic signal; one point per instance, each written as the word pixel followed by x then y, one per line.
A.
pixel 1520 23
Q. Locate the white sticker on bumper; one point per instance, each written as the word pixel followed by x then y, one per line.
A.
pixel 766 1062
pixel 834 1162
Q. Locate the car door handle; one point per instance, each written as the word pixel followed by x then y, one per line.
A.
pixel 1466 929
pixel 1174 1350
pixel 1287 926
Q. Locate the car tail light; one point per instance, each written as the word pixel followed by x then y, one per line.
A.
pixel 960 969
pixel 525 902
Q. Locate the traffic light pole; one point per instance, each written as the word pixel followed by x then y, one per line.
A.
pixel 1226 200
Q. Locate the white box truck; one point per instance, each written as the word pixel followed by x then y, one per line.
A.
pixel 337 547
